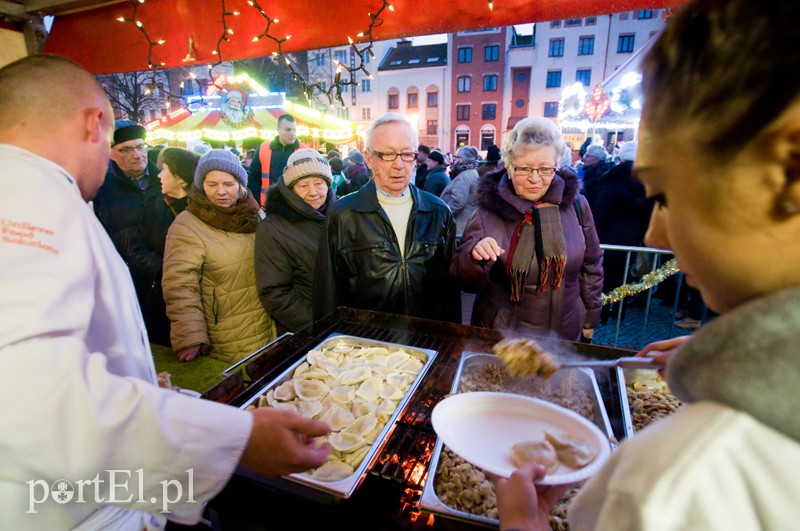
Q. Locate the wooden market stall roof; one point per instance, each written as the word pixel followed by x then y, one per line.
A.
pixel 193 29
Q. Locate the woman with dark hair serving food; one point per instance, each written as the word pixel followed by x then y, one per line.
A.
pixel 530 251
pixel 728 205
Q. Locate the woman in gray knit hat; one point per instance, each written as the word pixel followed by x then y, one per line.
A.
pixel 209 282
pixel 288 239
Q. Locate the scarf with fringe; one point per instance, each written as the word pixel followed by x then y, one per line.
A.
pixel 242 217
pixel 539 236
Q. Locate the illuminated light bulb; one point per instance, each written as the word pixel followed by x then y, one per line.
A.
pixel 287 37
pixel 349 39
pixel 256 38
pixel 287 60
pixel 235 13
pixel 250 2
pixel 121 19
pixel 138 23
pixel 147 91
pixel 162 64
pixel 161 41
pixel 275 20
pixel 214 53
pixel 181 85
pixel 391 7
pixel 230 31
pixel 360 34
pixel 275 54
pixel 491 6
pixel 192 75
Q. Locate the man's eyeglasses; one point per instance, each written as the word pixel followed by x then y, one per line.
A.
pixel 543 172
pixel 141 148
pixel 390 156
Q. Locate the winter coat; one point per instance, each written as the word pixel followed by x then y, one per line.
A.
pixel 360 264
pixel 357 175
pixel 592 176
pixel 268 164
pixel 621 215
pixel 121 206
pixel 210 289
pixel 436 181
pixel 729 458
pixel 461 195
pixel 287 243
pixel 565 311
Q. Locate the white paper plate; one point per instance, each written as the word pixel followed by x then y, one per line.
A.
pixel 482 427
pixel 189 392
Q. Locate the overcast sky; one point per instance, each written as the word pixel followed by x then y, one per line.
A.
pixel 522 29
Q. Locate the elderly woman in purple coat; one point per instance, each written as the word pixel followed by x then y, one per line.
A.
pixel 530 251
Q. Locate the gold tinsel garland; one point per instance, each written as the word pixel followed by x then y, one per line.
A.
pixel 648 281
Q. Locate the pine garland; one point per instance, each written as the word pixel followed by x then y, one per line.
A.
pixel 648 281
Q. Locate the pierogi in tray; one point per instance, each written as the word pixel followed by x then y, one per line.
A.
pixel 355 389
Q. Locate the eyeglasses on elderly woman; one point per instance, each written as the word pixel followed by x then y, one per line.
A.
pixel 524 171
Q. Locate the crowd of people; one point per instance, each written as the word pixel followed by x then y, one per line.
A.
pixel 213 258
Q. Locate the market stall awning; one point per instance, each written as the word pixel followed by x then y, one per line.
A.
pixel 237 109
pixel 192 30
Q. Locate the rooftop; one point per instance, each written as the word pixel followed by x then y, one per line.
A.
pixel 405 55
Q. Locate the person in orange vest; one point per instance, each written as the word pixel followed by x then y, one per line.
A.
pixel 270 158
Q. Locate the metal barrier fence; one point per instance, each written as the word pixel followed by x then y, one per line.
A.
pixel 637 331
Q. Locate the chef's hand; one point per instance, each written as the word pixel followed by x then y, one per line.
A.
pixel 189 354
pixel 487 249
pixel 662 351
pixel 521 504
pixel 283 442
pixel 586 335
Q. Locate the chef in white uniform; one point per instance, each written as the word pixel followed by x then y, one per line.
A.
pixel 88 440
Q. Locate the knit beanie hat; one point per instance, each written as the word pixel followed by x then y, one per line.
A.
pixel 125 130
pixel 357 157
pixel 306 163
pixel 628 151
pixel 437 157
pixel 492 153
pixel 222 160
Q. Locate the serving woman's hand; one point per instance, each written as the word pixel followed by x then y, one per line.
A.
pixel 487 249
pixel 189 354
pixel 662 351
pixel 520 504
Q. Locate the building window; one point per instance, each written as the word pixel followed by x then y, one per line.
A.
pixel 433 99
pixel 465 55
pixel 571 22
pixel 586 46
pixel 644 14
pixel 393 101
pixel 555 24
pixel 553 78
pixel 487 138
pixel 584 76
pixel 489 111
pixel 433 127
pixel 556 48
pixel 490 82
pixel 623 16
pixel 591 21
pixel 625 43
pixel 521 77
pixel 366 113
pixel 320 59
pixel 491 52
pixel 365 57
pixel 519 104
pixel 412 100
pixel 462 112
pixel 464 83
pixel 323 85
pixel 366 85
pixel 550 109
pixel 341 56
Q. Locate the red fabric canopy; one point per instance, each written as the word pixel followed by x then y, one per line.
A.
pixel 98 41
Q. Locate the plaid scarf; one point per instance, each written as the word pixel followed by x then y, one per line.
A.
pixel 241 217
pixel 539 235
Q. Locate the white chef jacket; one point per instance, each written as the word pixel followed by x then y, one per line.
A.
pixel 78 395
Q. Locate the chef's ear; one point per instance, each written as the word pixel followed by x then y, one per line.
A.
pixel 787 200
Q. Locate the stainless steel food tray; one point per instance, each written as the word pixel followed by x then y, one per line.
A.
pixel 344 488
pixel 582 378
pixel 627 377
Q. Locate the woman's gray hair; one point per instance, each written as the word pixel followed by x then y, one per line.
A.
pixel 390 117
pixel 531 133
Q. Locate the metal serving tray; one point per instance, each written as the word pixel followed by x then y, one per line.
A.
pixel 344 488
pixel 471 361
pixel 627 377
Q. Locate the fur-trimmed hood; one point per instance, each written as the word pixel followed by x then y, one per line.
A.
pixel 282 202
pixel 496 193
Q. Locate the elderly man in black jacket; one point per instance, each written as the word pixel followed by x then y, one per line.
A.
pixel 120 207
pixel 388 246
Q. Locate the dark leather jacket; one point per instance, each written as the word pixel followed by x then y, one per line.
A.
pixel 360 264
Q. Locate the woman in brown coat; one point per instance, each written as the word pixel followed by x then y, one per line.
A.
pixel 531 251
pixel 209 280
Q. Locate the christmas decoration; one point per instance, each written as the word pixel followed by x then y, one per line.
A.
pixel 648 281
pixel 597 105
